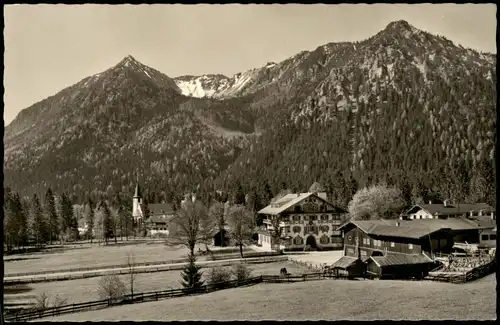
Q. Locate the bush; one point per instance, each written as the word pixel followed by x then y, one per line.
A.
pixel 307 248
pixel 241 272
pixel 111 287
pixel 216 277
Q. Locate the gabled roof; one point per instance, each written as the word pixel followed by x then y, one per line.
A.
pixel 225 229
pixel 461 208
pixel 388 228
pixel 160 209
pixel 452 223
pixel 288 201
pixel 344 262
pixel 484 222
pixel 400 259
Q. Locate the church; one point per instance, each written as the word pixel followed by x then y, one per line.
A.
pixel 154 217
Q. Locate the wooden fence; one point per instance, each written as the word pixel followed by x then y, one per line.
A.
pixel 9 280
pixel 26 315
pixel 94 268
pixel 473 274
pixel 121 266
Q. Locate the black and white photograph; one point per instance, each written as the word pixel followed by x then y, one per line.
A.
pixel 249 162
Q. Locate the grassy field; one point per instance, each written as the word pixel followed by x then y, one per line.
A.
pixel 93 255
pixel 318 300
pixel 85 289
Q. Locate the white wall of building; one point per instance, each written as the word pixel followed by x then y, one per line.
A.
pixel 488 237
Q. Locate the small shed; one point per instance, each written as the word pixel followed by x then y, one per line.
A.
pixel 349 266
pixel 220 237
pixel 399 266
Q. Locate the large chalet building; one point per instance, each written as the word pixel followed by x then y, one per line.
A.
pixel 303 219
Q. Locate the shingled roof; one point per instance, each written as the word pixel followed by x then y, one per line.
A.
pixel 400 259
pixel 160 209
pixel 388 228
pixel 451 209
pixel 344 262
pixel 288 201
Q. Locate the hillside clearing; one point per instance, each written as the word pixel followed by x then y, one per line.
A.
pixel 318 300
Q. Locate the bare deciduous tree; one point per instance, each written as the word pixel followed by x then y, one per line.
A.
pixel 130 264
pixel 191 225
pixel 242 224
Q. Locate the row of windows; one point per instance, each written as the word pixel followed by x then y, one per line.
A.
pixel 159 228
pixel 323 240
pixel 489 237
pixel 378 243
pixel 312 228
pixel 323 217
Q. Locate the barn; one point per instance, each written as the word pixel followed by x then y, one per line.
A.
pixel 348 266
pixel 394 250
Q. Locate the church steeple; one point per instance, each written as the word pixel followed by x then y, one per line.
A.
pixel 137 191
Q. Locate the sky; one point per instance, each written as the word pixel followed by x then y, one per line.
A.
pixel 51 47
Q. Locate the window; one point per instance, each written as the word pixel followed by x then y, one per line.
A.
pixel 298 240
pixel 296 229
pixel 392 244
pixel 349 238
pixel 324 228
pixel 306 218
pixel 484 237
pixel 493 237
pixel 324 240
pixel 313 218
pixel 410 246
pixel 287 230
pixel 324 217
pixel 296 218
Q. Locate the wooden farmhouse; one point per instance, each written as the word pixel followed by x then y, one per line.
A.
pixel 392 250
pixel 303 219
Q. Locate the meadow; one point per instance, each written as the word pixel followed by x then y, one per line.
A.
pixel 87 255
pixel 82 290
pixel 318 300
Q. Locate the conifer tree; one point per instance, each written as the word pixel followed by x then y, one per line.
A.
pixel 38 226
pixel 51 215
pixel 191 275
pixel 90 219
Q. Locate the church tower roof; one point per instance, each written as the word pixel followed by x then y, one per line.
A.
pixel 137 191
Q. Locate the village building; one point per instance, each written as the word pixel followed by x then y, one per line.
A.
pixel 154 217
pixel 303 219
pixel 392 249
pixel 221 237
pixel 470 223
pixel 446 210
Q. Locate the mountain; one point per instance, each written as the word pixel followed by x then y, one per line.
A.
pixel 404 106
pixel 100 133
